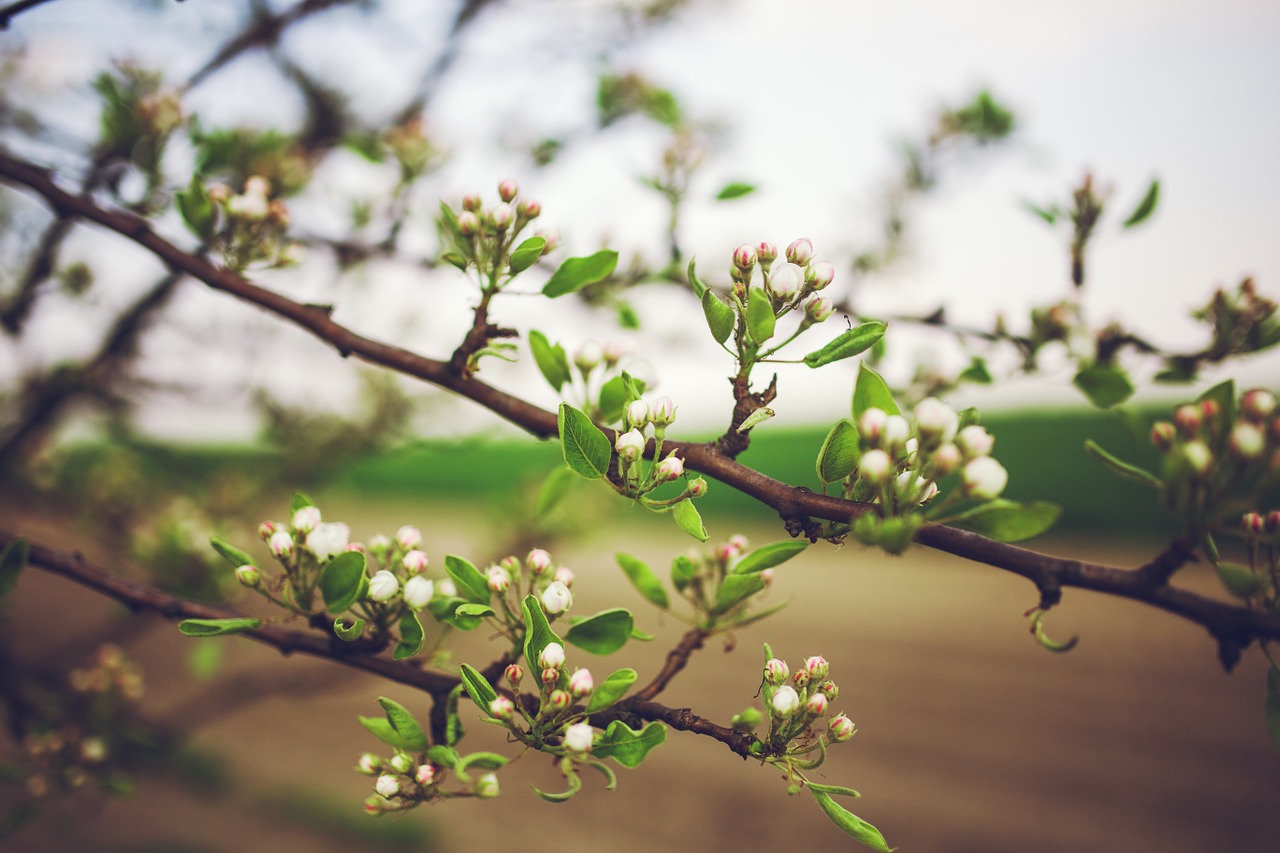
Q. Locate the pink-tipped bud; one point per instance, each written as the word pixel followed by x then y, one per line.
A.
pixel 1246 440
pixel 1187 419
pixel 819 308
pixel 578 737
pixel 744 257
pixel 946 459
pixel 738 541
pixel 829 689
pixel 552 656
pixel 581 683
pixel 265 530
pixel 874 466
pixel 841 728
pixel 468 223
pixel 820 274
pixel 1253 523
pixel 785 281
pixel 766 252
pixel 817 667
pixel 306 518
pixel 1258 404
pixel 415 562
pixel 1273 521
pixel 498 579
pixel 671 468
pixel 1163 435
pixel 502 708
pixel 776 671
pixel 550 676
pixel 552 236
pixel 767 575
pixel 974 441
pixel 871 425
pixel 471 202
pixel 816 704
pixel 369 764
pixel 697 488
pixel 637 414
pixel 1210 408
pixel 564 575
pixel 800 251
pixel 935 421
pixel 425 775
pixel 559 700
pixel 408 537
pixel 984 478
pixel 629 445
pixel 508 189
pixel 500 216
pixel 529 209
pixel 250 576
pixel 514 673
pixel 511 563
pixel 538 561
pixel 801 678
pixel 281 543
pixel 785 701
pixel 662 412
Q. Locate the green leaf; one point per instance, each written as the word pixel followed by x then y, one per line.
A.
pixel 552 491
pixel 538 633
pixel 849 823
pixel 644 580
pixel 1105 385
pixel 735 189
pixel 610 778
pixel 602 633
pixel 477 687
pixel 613 400
pixel 348 633
pixel 586 449
pixel 1271 705
pixel 977 372
pixel 760 317
pixel 197 209
pixel 343 581
pixel 550 358
pixel 527 254
pixel 1009 521
pixel 472 585
pixel 756 418
pixel 635 387
pixel 12 561
pixel 1239 580
pixel 411 637
pixel 839 454
pixel 1224 394
pixel 1121 468
pixel 627 316
pixel 720 317
pixel 627 746
pixel 482 761
pixel 453 728
pixel 699 289
pixel 216 627
pixel 850 342
pixel 576 273
pixel 735 589
pixel 1037 631
pixel 1048 214
pixel 443 756
pixel 871 392
pixel 404 724
pixel 1145 207
pixel 682 572
pixel 380 728
pixel 231 553
pixel 575 785
pixel 298 501
pixel 455 259
pixel 768 556
pixel 688 520
pixel 611 689
pixel 478 611
pixel 834 790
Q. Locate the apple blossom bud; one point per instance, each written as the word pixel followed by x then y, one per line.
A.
pixel 671 468
pixel 588 356
pixel 662 412
pixel 383 586
pixel 744 257
pixel 1273 521
pixel 508 189
pixel 613 353
pixel 248 206
pixel 581 683
pixel 697 488
pixel 564 575
pixel 1198 457
pixel 817 667
pixel 528 209
pixel 471 202
pixel 468 223
pixel 379 543
pixel 785 701
pixel 552 656
pixel 800 251
pixel 1163 434
pixel 401 763
pixel 550 676
pixel 369 764
pixel 1246 440
pixel 766 252
pixel 896 431
pixel 1258 404
pixel 328 540
pixel 500 216
pixel 415 562
pixel 306 518
pixel 418 591
pixel 974 441
pixel 556 598
pixel 447 588
pixel 785 281
pixel 387 785
pixel 935 421
pixel 408 537
pixel 829 689
pixel 1253 522
pixel 637 414
pixel 767 575
pixel 487 786
pixel 1187 419
pixel 801 678
pixel 874 466
pixel 841 728
pixel 871 425
pixel 775 671
pixel 498 579
pixel 552 236
pixel 266 529
pixel 375 805
pixel 984 478
pixel 816 704
pixel 630 445
pixel 425 775
pixel 818 309
pixel 513 673
pixel 578 737
pixel 502 708
pixel 281 543
pixel 559 700
pixel 820 274
pixel 538 561
pixel 946 459
pixel 1210 408
pixel 250 576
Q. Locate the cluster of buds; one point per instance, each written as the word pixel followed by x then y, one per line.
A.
pixel 409 144
pixel 788 283
pixel 559 724
pixel 699 577
pixel 797 703
pixel 640 418
pixel 109 673
pixel 485 237
pixel 404 781
pixel 248 227
pixel 64 759
pixel 511 580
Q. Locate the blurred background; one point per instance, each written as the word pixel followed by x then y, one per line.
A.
pixel 923 147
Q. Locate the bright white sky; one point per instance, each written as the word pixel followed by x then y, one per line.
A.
pixel 813 95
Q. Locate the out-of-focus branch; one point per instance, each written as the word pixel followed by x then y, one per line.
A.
pixel 13 10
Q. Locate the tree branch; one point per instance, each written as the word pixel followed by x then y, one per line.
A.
pixel 13 10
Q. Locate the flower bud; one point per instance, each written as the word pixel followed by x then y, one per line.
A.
pixel 1273 521
pixel 471 202
pixel 829 689
pixel 375 805
pixel 281 543
pixel 552 236
pixel 552 656
pixel 874 466
pixel 630 445
pixel 871 425
pixel 581 683
pixel 578 737
pixel 638 414
pixel 383 586
pixel 1210 409
pixel 1246 440
pixel 697 488
pixel 817 667
pixel 514 673
pixel 408 537
pixel 935 421
pixel 766 252
pixel 306 518
pixel 511 563
pixel 468 223
pixel 1253 523
pixel 508 189
pixel 800 251
pixel 1198 457
pixel 502 708
pixel 379 544
pixel 662 412
pixel 328 540
pixel 559 700
pixel 613 353
pixel 775 671
pixel 1163 434
pixel 447 588
pixel 1187 419
pixel 387 785
pixel 266 529
pixel 418 591
pixel 528 209
pixel 93 750
pixel 550 676
pixel 487 786
pixel 984 478
pixel 974 441
pixel 801 678
pixel 816 704
pixel 1258 404
pixel 250 576
pixel 588 356
pixel 538 561
pixel 841 728
pixel 556 598
pixel 564 575
pixel 498 579
pixel 820 274
pixel 425 775
pixel 500 216
pixel 671 468
pixel 897 430
pixel 744 257
pixel 818 309
pixel 415 562
pixel 785 701
pixel 766 575
pixel 946 459
pixel 785 281
pixel 369 764
pixel 401 763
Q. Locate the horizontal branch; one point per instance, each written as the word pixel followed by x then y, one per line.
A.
pixel 1234 627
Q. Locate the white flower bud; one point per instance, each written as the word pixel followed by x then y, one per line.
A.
pixel 408 537
pixel 638 413
pixel 588 356
pixel 564 575
pixel 281 543
pixel 581 683
pixel 896 431
pixel 1199 457
pixel 401 763
pixel 578 737
pixel 447 588
pixel 800 251
pixel 1246 440
pixel 369 764
pixel 975 441
pixel 984 478
pixel 820 274
pixel 936 421
pixel 538 561
pixel 415 562
pixel 425 774
pixel 946 459
pixel 498 579
pixel 387 785
pixel 501 215
pixel 556 598
pixel 1258 404
pixel 785 281
pixel 328 540
pixel 671 468
pixel 874 466
pixel 383 586
pixel 871 425
pixel 250 576
pixel 468 223
pixel 786 701
pixel 552 656
pixel 418 591
pixel 379 543
pixel 662 412
pixel 630 445
pixel 487 786
pixel 306 518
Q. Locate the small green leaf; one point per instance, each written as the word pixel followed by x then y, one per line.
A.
pixel 455 259
pixel 977 372
pixel 231 553
pixel 527 254
pixel 834 790
pixel 575 785
pixel 1009 521
pixel 1105 385
pixel 453 728
pixel 1121 468
pixel 411 637
pixel 538 633
pixel 850 342
pixel 839 454
pixel 699 289
pixel 756 418
pixel 348 633
pixel 586 449
pixel 720 317
pixel 1271 705
pixel 768 556
pixel 343 581
pixel 1037 631
pixel 746 720
pixel 481 761
pixel 688 520
pixel 576 273
pixel 760 317
pixel 613 400
pixel 1048 214
pixel 404 724
pixel 627 316
pixel 12 561
pixel 298 501
pixel 871 392
pixel 1145 207
pixel 627 746
pixel 477 687
pixel 602 633
pixel 216 627
pixel 735 589
pixel 472 585
pixel 849 823
pixel 550 358
pixel 611 689
pixel 478 611
pixel 644 580
pixel 1239 580
pixel 380 728
pixel 552 491
pixel 635 387
pixel 735 189
pixel 443 756
pixel 197 209
pixel 682 572
pixel 1224 394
